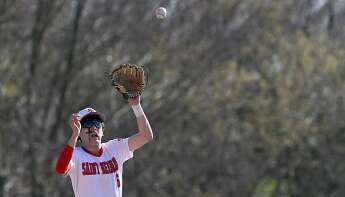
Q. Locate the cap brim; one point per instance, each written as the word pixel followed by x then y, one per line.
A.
pixel 94 115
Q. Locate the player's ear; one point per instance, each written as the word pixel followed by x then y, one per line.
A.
pixel 103 126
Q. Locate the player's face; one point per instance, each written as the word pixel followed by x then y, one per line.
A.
pixel 91 132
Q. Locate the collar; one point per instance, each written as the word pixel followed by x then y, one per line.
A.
pixel 100 152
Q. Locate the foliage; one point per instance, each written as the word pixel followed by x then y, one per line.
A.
pixel 246 98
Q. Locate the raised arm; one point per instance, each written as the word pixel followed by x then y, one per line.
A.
pixel 63 162
pixel 145 134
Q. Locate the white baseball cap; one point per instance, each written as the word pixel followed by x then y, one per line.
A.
pixel 91 113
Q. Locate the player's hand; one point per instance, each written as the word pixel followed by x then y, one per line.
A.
pixel 75 124
pixel 134 101
pixel 120 89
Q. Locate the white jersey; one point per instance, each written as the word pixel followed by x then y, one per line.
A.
pixel 99 176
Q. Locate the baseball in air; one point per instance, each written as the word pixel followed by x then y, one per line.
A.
pixel 161 13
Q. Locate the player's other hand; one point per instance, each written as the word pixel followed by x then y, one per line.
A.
pixel 134 101
pixel 75 124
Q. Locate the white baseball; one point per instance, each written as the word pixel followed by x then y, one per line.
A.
pixel 161 13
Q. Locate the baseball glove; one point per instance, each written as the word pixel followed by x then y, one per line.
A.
pixel 129 80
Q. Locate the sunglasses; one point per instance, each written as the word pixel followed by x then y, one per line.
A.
pixel 90 123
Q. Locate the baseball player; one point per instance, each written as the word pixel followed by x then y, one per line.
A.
pixel 95 168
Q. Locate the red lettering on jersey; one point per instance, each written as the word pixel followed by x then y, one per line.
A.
pixel 85 167
pixel 97 168
pixel 115 164
pixel 104 168
pixel 89 168
pixel 109 166
pixel 93 167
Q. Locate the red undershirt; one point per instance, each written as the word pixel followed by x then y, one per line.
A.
pixel 63 165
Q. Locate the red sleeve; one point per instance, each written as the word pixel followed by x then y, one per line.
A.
pixel 62 164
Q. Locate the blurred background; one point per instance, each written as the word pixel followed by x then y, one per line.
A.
pixel 245 97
